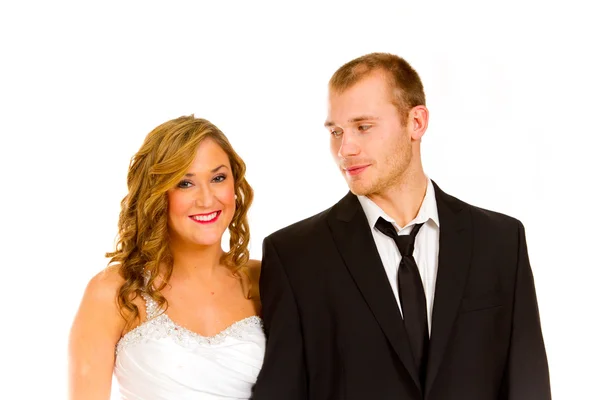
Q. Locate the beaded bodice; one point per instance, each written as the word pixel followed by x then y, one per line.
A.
pixel 159 325
pixel 163 360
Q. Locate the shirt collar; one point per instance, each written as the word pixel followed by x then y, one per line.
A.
pixel 428 210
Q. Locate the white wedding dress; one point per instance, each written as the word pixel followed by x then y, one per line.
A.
pixel 162 360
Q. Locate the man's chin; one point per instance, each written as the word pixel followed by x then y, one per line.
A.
pixel 358 189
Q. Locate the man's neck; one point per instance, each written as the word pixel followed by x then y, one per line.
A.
pixel 402 201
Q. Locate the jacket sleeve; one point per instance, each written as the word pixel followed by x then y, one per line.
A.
pixel 526 376
pixel 283 375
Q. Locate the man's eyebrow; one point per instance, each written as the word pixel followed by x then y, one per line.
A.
pixel 361 118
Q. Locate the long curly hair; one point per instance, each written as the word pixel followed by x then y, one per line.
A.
pixel 142 244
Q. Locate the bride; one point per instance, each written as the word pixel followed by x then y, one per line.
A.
pixel 173 316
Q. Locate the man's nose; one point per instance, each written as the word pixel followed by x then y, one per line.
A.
pixel 349 147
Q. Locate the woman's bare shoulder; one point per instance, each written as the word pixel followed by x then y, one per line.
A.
pixel 105 285
pixel 98 315
pixel 253 268
pixel 250 277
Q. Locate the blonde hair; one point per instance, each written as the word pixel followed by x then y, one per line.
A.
pixel 404 80
pixel 143 240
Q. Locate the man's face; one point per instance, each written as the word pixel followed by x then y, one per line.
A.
pixel 369 142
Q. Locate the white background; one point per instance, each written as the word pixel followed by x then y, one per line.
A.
pixel 512 91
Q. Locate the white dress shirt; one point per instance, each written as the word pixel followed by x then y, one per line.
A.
pixel 426 244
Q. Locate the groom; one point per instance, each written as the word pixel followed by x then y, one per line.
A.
pixel 399 291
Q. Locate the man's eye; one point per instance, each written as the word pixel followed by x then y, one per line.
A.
pixel 363 128
pixel 336 132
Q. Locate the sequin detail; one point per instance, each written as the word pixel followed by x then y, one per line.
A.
pixel 159 326
pixel 152 309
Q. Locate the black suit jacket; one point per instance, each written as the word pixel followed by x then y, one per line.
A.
pixel 334 328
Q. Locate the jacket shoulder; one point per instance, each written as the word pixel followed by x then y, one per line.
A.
pixel 488 219
pixel 302 230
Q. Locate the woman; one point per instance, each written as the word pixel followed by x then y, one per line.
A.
pixel 173 315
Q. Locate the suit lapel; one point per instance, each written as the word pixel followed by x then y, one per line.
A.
pixel 352 235
pixel 453 267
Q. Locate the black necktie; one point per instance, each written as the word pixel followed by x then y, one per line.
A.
pixel 412 295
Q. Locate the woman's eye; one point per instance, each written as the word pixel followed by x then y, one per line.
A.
pixel 219 178
pixel 184 184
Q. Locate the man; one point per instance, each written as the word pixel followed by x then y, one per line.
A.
pixel 399 291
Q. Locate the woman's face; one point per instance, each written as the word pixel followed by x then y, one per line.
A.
pixel 202 204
